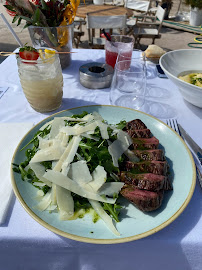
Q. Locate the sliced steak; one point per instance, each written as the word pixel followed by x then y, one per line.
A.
pixel 156 167
pixel 135 124
pixel 148 181
pixel 139 133
pixel 143 199
pixel 153 154
pixel 145 143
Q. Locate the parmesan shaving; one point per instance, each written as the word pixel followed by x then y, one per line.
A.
pixel 65 182
pixel 65 203
pixel 105 217
pixel 79 172
pixel 111 188
pixel 78 129
pixel 119 146
pixel 57 124
pixel 99 177
pixel 45 202
pixel 53 152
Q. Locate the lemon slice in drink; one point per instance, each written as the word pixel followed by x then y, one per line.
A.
pixel 49 53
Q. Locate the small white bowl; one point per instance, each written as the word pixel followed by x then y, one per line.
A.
pixel 177 62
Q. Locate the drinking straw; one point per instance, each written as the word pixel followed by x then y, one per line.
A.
pixel 11 29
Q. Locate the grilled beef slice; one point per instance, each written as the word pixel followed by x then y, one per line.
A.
pixel 135 124
pixel 156 167
pixel 152 154
pixel 145 143
pixel 148 181
pixel 143 199
pixel 139 133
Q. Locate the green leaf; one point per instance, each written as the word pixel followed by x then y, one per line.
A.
pixel 15 18
pixel 36 16
pixel 44 5
pixel 9 7
pixel 26 18
pixel 19 21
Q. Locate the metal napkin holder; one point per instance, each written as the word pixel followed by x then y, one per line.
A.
pixel 96 75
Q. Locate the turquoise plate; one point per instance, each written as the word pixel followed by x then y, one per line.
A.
pixel 134 224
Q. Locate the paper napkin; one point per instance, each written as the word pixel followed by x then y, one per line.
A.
pixel 10 136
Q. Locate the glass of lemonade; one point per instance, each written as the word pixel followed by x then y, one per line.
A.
pixel 118 43
pixel 42 81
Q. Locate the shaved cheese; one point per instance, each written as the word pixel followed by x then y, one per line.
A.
pixel 40 193
pixel 53 152
pixel 45 202
pixel 110 188
pixel 58 166
pixel 38 184
pixel 86 118
pixel 65 203
pixel 44 143
pixel 46 125
pixel 119 146
pixel 72 153
pixel 104 216
pixel 78 129
pixel 131 155
pixel 39 171
pixel 57 124
pixel 97 116
pixel 79 172
pixel 65 182
pixel 103 129
pixel 64 139
pixel 99 176
pixel 51 207
pixel 53 194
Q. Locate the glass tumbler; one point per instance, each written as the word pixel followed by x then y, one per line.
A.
pixel 42 82
pixel 128 84
pixel 118 43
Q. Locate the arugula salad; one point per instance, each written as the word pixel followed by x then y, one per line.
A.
pixel 74 162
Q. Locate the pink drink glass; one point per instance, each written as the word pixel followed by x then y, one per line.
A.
pixel 118 43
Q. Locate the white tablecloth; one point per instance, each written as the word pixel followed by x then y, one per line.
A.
pixel 24 244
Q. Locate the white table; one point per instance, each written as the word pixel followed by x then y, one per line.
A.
pixel 24 244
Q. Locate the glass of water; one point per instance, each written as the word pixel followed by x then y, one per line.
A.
pixel 128 84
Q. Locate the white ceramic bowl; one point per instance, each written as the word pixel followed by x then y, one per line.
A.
pixel 183 61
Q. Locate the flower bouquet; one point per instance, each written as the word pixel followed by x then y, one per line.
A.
pixel 50 23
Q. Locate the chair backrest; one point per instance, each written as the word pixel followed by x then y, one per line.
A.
pixel 138 5
pixel 160 13
pixel 109 22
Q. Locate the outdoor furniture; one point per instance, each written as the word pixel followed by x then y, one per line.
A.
pixel 26 244
pixel 105 22
pixel 103 10
pixel 145 26
pixel 78 31
pixel 141 6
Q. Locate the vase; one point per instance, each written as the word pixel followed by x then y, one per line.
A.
pixel 58 38
pixel 195 17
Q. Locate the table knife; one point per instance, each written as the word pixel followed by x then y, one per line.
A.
pixel 195 148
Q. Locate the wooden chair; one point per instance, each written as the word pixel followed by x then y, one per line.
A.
pixel 107 22
pixel 78 31
pixel 138 5
pixel 145 26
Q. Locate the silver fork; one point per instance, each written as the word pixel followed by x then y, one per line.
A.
pixel 174 125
